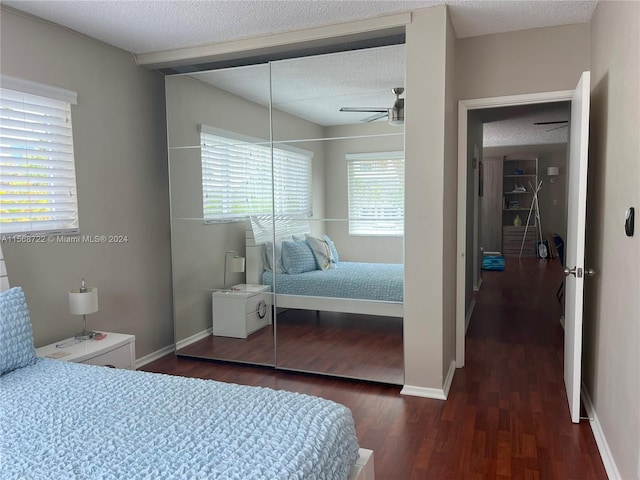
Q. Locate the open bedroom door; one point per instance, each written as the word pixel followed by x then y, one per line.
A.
pixel 575 271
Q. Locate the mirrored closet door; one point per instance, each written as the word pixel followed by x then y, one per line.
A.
pixel 321 244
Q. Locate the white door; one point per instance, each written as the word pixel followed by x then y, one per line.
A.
pixel 574 247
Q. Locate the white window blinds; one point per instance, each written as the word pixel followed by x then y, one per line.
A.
pixel 37 169
pixel 236 178
pixel 376 193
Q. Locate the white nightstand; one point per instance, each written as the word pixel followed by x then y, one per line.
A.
pixel 242 310
pixel 115 350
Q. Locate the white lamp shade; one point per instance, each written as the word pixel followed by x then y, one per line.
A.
pixel 553 171
pixel 83 303
pixel 236 264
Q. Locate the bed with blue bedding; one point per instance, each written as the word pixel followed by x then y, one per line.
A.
pixel 63 420
pixel 305 272
pixel 366 281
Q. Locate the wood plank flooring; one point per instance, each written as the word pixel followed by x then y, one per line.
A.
pixel 506 416
pixel 346 345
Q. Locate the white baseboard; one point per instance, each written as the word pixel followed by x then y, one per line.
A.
pixel 467 317
pixel 436 393
pixel 141 362
pixel 605 452
pixel 193 338
pixel 476 288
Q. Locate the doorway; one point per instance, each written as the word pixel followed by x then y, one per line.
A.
pixel 466 235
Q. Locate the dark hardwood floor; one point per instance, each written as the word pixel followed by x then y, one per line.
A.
pixel 345 345
pixel 506 416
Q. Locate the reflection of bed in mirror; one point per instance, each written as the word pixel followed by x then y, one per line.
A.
pixel 347 287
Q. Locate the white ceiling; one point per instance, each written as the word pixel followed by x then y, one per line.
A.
pixel 313 88
pixel 144 26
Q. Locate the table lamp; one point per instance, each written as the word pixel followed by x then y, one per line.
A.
pixel 235 264
pixel 82 301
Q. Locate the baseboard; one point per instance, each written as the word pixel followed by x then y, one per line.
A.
pixel 435 393
pixel 603 446
pixel 193 338
pixel 142 361
pixel 467 317
pixel 476 288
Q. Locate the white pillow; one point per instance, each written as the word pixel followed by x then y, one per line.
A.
pixel 321 252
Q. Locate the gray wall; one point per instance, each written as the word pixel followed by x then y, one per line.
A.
pixel 121 165
pixel 357 248
pixel 612 302
pixel 198 248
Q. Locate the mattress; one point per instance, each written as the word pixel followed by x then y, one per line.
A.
pixel 73 421
pixel 366 281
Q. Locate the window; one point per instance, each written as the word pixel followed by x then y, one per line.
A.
pixel 236 177
pixel 376 193
pixel 37 169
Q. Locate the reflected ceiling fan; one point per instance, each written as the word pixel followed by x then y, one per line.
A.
pixel 395 114
pixel 565 122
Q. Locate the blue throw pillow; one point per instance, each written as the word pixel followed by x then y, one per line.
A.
pixel 16 336
pixel 297 257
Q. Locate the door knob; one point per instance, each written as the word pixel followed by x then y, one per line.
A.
pixel 575 271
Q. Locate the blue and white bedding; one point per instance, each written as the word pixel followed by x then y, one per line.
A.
pixel 366 281
pixel 62 420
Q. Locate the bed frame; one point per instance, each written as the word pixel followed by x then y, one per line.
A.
pixel 255 268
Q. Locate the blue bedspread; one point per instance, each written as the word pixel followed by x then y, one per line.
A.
pixel 367 281
pixel 62 420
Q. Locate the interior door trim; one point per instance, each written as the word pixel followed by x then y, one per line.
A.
pixel 464 106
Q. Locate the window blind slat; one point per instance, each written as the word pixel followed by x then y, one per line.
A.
pixel 237 179
pixel 37 168
pixel 376 194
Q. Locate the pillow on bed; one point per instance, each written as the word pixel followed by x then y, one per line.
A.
pixel 321 252
pixel 16 337
pixel 271 264
pixel 297 257
pixel 332 247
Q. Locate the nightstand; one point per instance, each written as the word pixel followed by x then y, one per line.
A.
pixel 115 350
pixel 241 310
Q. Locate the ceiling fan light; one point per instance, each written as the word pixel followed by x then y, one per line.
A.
pixel 396 117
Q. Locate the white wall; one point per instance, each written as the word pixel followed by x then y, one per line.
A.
pixel 120 152
pixel 612 300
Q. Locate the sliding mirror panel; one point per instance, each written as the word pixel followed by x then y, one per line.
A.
pixel 339 284
pixel 220 174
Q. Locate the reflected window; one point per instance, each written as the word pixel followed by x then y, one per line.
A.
pixel 237 172
pixel 376 193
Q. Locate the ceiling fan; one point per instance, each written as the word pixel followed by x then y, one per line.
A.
pixel 553 123
pixel 395 114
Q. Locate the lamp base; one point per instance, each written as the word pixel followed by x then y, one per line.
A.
pixel 84 335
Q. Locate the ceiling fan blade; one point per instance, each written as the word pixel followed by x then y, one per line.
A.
pixel 375 117
pixel 551 123
pixel 556 128
pixel 363 109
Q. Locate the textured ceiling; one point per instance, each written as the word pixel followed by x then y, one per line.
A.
pixel 143 26
pixel 313 88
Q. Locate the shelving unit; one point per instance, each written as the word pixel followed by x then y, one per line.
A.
pixel 520 175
